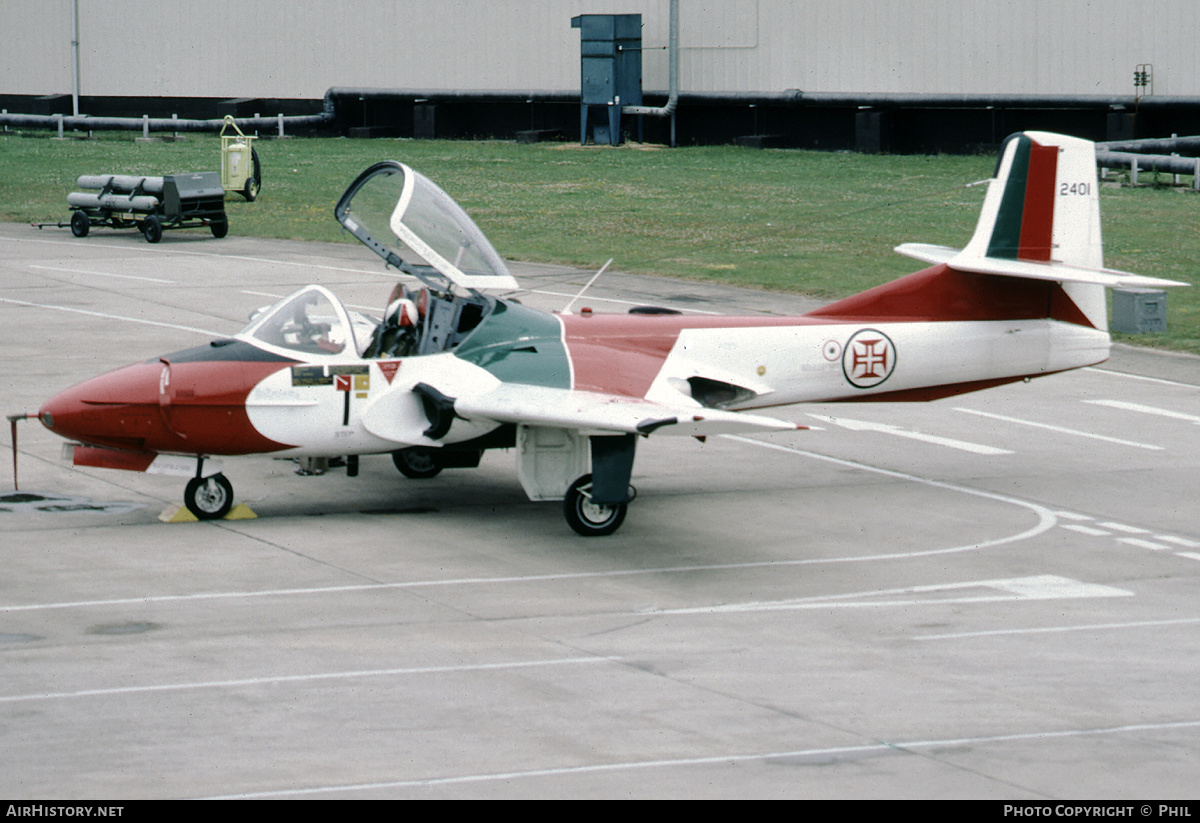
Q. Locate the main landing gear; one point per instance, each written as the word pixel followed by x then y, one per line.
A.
pixel 421 463
pixel 553 464
pixel 416 463
pixel 588 517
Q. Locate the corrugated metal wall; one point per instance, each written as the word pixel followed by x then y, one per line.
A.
pixel 299 48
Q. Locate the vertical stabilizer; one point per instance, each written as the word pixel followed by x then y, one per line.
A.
pixel 1043 206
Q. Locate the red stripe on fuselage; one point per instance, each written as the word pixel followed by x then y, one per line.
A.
pixel 942 294
pixel 623 353
pixel 1037 218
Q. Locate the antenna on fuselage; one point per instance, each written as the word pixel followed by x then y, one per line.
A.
pixel 587 286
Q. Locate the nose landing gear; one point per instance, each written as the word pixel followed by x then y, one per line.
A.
pixel 209 498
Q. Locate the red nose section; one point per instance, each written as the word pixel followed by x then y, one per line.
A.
pixel 158 406
pixel 118 409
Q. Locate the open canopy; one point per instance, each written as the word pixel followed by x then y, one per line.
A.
pixel 406 219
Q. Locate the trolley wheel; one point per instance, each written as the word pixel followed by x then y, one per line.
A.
pixel 254 181
pixel 219 228
pixel 80 224
pixel 152 229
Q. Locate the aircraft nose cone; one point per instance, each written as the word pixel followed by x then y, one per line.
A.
pixel 116 409
pixel 56 411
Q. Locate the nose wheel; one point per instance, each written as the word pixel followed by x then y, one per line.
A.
pixel 209 498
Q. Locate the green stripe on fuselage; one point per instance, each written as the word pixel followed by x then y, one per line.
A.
pixel 1006 233
pixel 519 345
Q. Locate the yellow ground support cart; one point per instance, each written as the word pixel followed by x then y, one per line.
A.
pixel 240 169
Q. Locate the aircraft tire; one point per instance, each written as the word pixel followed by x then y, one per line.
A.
pixel 587 518
pixel 209 498
pixel 416 463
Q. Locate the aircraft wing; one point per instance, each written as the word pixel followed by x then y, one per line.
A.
pixel 593 411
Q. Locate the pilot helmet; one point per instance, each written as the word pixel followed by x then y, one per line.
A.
pixel 402 312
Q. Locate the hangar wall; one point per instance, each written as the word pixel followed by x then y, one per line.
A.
pixel 299 49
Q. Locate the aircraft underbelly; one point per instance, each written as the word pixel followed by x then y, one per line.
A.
pixel 827 362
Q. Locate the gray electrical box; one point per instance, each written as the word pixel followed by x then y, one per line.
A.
pixel 610 62
pixel 1138 311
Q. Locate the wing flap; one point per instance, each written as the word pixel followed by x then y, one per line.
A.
pixel 593 411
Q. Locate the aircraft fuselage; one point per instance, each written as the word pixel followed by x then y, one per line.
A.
pixel 231 397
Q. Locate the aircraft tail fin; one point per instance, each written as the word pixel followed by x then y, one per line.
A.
pixel 1041 221
pixel 1043 204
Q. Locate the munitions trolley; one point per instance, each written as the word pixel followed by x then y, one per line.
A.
pixel 150 204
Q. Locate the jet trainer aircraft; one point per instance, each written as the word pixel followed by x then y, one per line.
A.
pixel 453 370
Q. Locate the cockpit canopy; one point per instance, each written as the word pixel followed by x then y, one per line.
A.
pixel 406 219
pixel 311 321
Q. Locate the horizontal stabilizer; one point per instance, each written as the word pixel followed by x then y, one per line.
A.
pixel 928 253
pixel 593 411
pixel 1058 272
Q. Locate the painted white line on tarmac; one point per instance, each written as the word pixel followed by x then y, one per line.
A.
pixel 895 747
pixel 1046 518
pixel 1090 627
pixel 1143 544
pixel 1178 541
pixel 1073 515
pixel 188 253
pixel 1122 527
pixel 896 431
pixel 1088 530
pixel 106 316
pixel 300 678
pixel 1037 587
pixel 1143 377
pixel 103 274
pixel 1060 429
pixel 1142 409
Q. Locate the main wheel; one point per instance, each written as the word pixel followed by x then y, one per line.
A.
pixel 209 498
pixel 152 229
pixel 80 224
pixel 416 463
pixel 587 518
